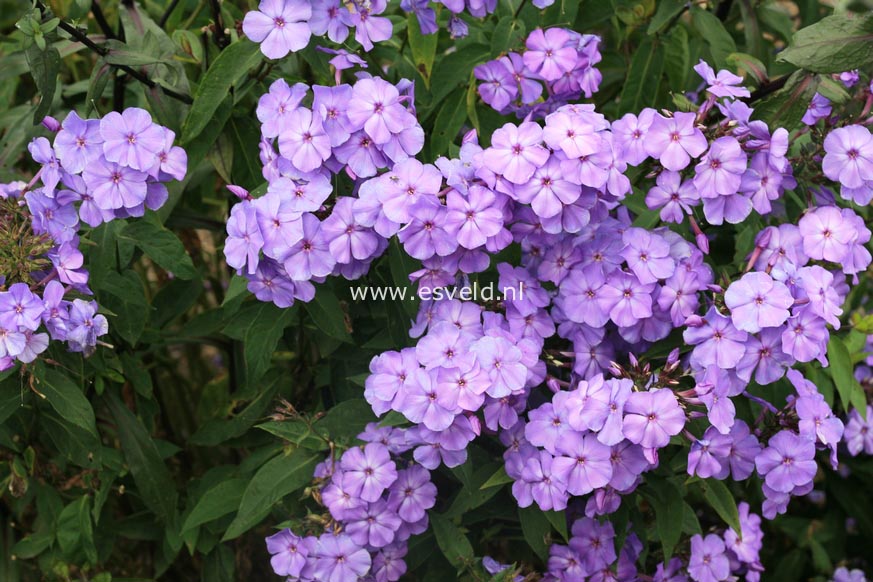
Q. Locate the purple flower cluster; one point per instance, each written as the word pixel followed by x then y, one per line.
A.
pixel 285 26
pixel 377 499
pixel 540 369
pixel 277 241
pixel 95 171
pixel 561 59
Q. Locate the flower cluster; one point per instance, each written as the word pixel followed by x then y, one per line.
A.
pixel 376 498
pixel 277 240
pixel 561 59
pixel 284 26
pixel 563 372
pixel 95 170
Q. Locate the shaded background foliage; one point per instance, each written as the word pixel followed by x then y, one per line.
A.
pixel 171 454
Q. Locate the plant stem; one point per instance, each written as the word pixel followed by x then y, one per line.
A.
pixel 166 15
pixel 101 20
pixel 220 38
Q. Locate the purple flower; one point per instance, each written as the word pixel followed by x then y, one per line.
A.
pixel 131 139
pixel 849 156
pixel 78 143
pixel 787 462
pixel 19 307
pixel 516 152
pixel 339 559
pixel 547 191
pixel 819 108
pixel 474 217
pixel 707 455
pixel 584 464
pixel 374 525
pixel 805 335
pixel 757 301
pixel 647 255
pixel 115 186
pixel 376 108
pixel 331 18
pixel 594 542
pixel 244 240
pixel 630 132
pixel 652 417
pixel 368 472
pixel 858 434
pixel 716 341
pixel 275 107
pixel 674 197
pixel 279 26
pixel 388 563
pixel 548 53
pixel 304 142
pixel 346 238
pixel 424 402
pixel 368 27
pixel 708 562
pixel 498 87
pixel 626 299
pixel 85 326
pixel 289 552
pixel 540 483
pixel 412 494
pixel 723 84
pixel 410 183
pixel 675 140
pixel 721 170
pixel 843 574
pixel 12 343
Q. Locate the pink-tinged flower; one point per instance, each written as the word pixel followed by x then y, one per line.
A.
pixel 574 134
pixel 131 139
pixel 723 84
pixel 424 402
pixel 675 140
pixel 548 192
pixel 412 494
pixel 716 341
pixel 474 217
pixel 652 417
pixel 674 197
pixel 549 53
pixel 787 462
pixel 545 486
pixel 805 336
pixel 825 234
pixel 373 525
pixel 310 256
pixel 20 307
pixel 289 552
pixel 849 156
pixel 824 300
pixel 708 562
pixel 720 172
pixel 504 364
pixel 409 183
pixel 279 26
pixel 331 18
pixel 516 152
pixel 757 301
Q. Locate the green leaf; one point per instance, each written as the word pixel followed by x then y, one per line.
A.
pixel 153 480
pixel 786 107
pixel 721 43
pixel 643 76
pixel 277 478
pixel 507 34
pixel 536 529
pixel 217 431
pixel 832 89
pixel 217 502
pixel 669 513
pixel 67 399
pixel 232 63
pixel 722 501
pixel 401 266
pixel 838 43
pixel 123 295
pixel 75 530
pixel 11 397
pixel 455 69
pixel 259 326
pixel 327 313
pixel 666 12
pixel 744 63
pixel 842 371
pixel 558 519
pixel 448 122
pixel 162 246
pixel 451 540
pixel 423 46
pixel 677 59
pixel 498 478
pixel 44 67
